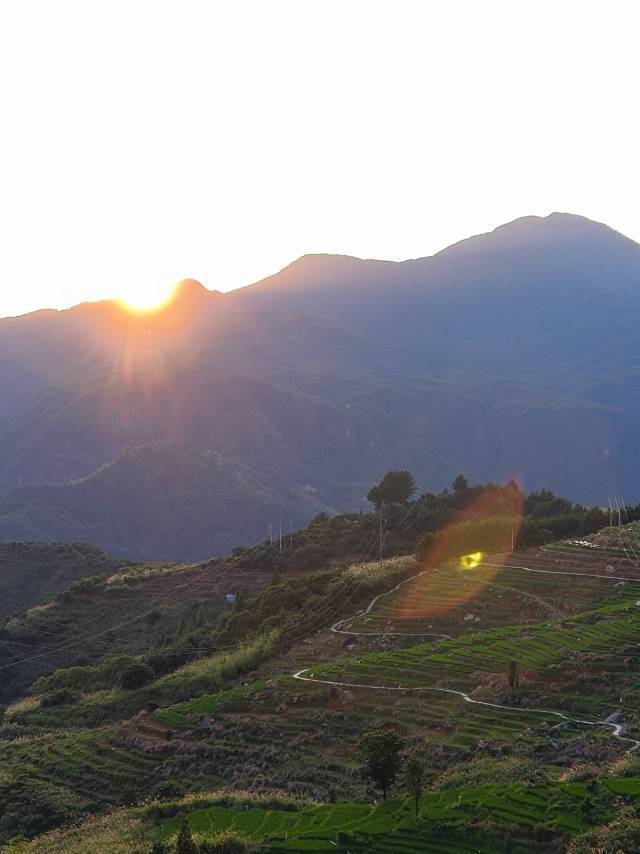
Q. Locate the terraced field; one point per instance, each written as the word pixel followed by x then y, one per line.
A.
pixel 500 818
pixel 510 814
pixel 449 696
pixel 385 826
pixel 593 642
pixel 294 725
pixel 451 600
pixel 95 763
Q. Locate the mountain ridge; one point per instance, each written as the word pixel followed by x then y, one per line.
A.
pixel 320 378
pixel 190 287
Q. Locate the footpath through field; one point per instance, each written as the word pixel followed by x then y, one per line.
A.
pixel 305 674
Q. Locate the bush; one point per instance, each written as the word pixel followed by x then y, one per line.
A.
pixel 59 697
pixel 486 770
pixel 226 842
pixel 622 834
pixel 135 676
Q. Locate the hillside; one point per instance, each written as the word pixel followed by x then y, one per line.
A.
pixel 540 299
pixel 511 354
pixel 168 515
pixel 33 572
pixel 148 683
pixel 271 751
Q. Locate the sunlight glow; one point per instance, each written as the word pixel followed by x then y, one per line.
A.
pixel 486 524
pixel 153 182
pixel 472 560
pixel 147 299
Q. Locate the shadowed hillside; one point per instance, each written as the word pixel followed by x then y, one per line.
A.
pixel 511 354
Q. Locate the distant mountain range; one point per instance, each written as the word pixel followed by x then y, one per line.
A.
pixel 179 434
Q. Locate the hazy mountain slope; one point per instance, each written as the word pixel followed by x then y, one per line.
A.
pixel 31 573
pixel 161 500
pixel 533 299
pixel 511 353
pixel 185 501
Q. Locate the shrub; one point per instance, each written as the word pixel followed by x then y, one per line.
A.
pixel 135 676
pixel 490 770
pixel 622 834
pixel 59 697
pixel 226 842
pixel 184 842
pixel 152 617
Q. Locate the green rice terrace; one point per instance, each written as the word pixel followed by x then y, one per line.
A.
pixel 512 682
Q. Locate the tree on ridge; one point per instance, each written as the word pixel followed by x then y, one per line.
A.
pixel 396 487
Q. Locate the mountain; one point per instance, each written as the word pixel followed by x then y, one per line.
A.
pixel 33 572
pixel 540 299
pixel 158 499
pixel 510 354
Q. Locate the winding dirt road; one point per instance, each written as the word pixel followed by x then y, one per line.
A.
pixel 616 729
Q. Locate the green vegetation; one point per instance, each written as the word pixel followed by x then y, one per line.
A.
pixel 414 779
pixel 381 751
pixel 31 573
pixel 135 676
pixel 184 841
pixel 497 674
pixel 488 818
pixel 396 487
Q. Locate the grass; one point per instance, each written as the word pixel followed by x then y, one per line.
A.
pixel 487 818
pixel 300 736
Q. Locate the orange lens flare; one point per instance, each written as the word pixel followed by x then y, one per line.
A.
pixel 463 558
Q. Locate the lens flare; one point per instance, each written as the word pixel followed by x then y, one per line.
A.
pixel 464 557
pixel 471 561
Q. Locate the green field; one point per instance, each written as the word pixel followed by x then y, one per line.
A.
pixel 522 769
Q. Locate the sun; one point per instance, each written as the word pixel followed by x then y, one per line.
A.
pixel 147 298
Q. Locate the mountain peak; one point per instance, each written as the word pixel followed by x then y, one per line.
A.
pixel 189 292
pixel 189 287
pixel 554 230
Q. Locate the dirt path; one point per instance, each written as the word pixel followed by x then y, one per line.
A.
pixel 616 729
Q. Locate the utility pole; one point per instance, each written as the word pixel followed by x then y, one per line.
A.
pixel 290 532
pixel 280 535
pixel 380 535
pixel 610 514
pixel 271 534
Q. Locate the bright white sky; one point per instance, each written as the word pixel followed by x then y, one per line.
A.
pixel 144 141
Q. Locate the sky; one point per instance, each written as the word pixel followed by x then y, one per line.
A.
pixel 143 142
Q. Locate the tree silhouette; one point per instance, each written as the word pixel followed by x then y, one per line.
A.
pixel 184 842
pixel 381 750
pixel 396 487
pixel 414 779
pixel 460 484
pixel 514 678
